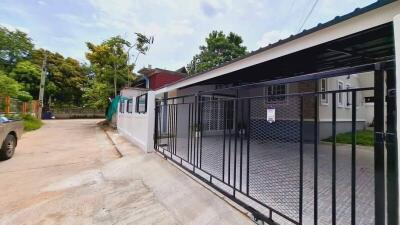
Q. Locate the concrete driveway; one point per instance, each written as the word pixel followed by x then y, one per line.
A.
pixel 68 172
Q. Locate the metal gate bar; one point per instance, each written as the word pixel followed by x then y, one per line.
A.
pixel 316 141
pixel 240 164
pixel 353 156
pixel 334 159
pixel 301 159
pixel 391 146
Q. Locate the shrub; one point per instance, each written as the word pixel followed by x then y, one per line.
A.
pixel 31 122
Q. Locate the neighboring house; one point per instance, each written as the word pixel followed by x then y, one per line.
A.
pixel 132 117
pixel 157 78
pixel 365 109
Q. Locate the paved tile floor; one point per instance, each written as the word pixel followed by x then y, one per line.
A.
pixel 274 176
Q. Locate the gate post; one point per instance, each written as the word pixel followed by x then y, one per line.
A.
pixel 379 145
pixel 392 151
pixel 156 115
pixel 393 213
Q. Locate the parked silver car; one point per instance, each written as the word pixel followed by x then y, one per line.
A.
pixel 10 133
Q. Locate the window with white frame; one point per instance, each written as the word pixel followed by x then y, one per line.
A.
pixel 340 94
pixel 324 88
pixel 141 104
pixel 276 93
pixel 348 95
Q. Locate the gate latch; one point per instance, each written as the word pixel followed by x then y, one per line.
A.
pixel 391 138
pixel 391 92
pixel 379 137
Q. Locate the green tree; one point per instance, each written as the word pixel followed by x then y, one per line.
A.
pixel 109 62
pixel 219 48
pixel 97 94
pixel 66 77
pixel 15 46
pixel 24 96
pixel 28 75
pixel 110 67
pixel 8 86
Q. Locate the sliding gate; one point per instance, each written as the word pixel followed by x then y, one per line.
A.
pixel 277 155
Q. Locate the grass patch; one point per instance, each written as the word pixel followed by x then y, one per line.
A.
pixel 363 137
pixel 30 122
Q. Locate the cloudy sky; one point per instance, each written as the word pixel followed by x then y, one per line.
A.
pixel 179 26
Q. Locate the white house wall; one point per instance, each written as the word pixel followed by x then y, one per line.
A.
pixel 343 113
pixel 137 128
pixel 134 127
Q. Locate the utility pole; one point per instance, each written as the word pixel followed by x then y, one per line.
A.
pixel 42 83
pixel 127 64
pixel 115 73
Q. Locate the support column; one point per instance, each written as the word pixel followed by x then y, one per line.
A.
pixel 396 30
pixel 151 116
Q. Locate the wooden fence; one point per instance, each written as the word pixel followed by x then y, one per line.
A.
pixel 10 105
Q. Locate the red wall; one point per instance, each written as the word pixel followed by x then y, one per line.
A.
pixel 160 79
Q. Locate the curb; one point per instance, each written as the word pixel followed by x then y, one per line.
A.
pixel 115 145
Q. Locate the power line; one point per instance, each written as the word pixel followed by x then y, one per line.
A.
pixel 287 15
pixel 308 15
pixel 291 5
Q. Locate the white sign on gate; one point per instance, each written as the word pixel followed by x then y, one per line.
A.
pixel 271 115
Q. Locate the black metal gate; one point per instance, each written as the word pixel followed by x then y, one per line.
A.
pixel 265 151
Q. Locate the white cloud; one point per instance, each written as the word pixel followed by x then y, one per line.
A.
pixel 170 22
pixel 14 28
pixel 178 26
pixel 212 8
pixel 79 21
pixel 271 37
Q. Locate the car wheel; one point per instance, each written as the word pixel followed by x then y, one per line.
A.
pixel 8 147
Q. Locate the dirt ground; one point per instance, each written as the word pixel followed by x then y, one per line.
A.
pixel 68 172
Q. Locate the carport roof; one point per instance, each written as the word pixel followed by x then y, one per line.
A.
pixel 360 19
